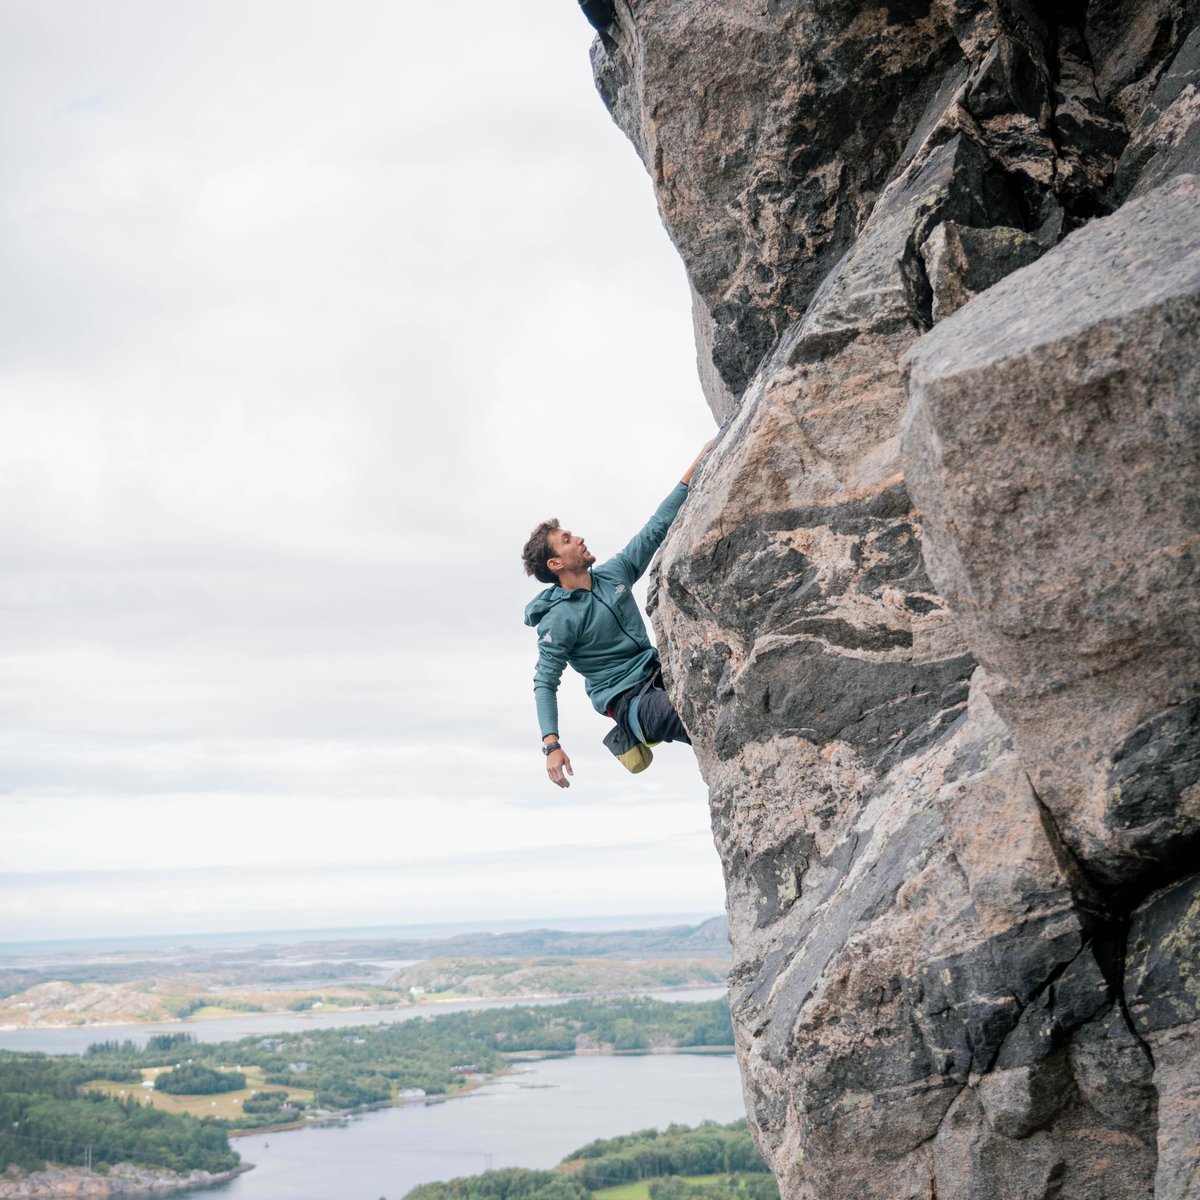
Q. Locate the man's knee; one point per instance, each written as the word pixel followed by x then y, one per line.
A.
pixel 658 718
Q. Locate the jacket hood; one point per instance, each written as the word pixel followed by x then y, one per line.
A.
pixel 543 602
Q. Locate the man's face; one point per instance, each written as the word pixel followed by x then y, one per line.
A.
pixel 569 552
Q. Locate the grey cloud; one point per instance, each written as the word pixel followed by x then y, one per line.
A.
pixel 308 315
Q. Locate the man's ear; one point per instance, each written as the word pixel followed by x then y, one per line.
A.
pixel 551 567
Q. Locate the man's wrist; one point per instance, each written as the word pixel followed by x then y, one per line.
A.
pixel 551 747
pixel 549 737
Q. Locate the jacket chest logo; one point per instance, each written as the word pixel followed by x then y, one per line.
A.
pixel 620 589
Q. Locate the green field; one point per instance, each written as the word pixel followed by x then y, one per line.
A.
pixel 641 1189
pixel 227 1105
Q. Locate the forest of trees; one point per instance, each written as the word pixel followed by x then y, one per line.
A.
pixel 45 1117
pixel 193 1079
pixel 723 1152
pixel 510 1183
pixel 708 1149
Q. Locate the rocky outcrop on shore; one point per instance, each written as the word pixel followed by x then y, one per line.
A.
pixel 932 611
pixel 123 1179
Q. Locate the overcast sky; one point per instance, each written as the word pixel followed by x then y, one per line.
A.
pixel 310 312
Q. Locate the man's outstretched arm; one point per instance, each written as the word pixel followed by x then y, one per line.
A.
pixel 635 558
pixel 552 661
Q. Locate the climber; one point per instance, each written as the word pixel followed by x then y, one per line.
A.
pixel 589 620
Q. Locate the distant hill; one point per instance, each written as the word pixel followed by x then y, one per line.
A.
pixel 341 961
pixel 494 978
pixel 707 940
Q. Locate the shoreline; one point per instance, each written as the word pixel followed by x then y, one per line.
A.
pixel 342 1116
pixel 524 998
pixel 515 1060
pixel 123 1179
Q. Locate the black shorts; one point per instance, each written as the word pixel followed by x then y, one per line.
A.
pixel 656 714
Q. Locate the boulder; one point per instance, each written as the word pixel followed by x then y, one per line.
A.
pixel 961 261
pixel 1051 443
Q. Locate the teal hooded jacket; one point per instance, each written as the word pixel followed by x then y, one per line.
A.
pixel 599 630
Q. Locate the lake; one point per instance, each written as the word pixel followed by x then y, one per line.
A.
pixel 531 1118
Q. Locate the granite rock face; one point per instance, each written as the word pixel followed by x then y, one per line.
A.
pixel 931 611
pixel 749 119
pixel 1063 407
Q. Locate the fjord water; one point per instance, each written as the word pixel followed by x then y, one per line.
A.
pixel 531 1118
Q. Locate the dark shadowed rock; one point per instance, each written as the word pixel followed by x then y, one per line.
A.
pixel 1130 42
pixel 1166 138
pixel 961 261
pixel 1163 991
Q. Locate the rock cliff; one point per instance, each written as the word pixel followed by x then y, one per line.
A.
pixel 932 612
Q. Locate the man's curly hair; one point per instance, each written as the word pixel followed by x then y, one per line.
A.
pixel 537 552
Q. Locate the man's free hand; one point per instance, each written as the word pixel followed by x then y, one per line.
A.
pixel 558 767
pixel 686 477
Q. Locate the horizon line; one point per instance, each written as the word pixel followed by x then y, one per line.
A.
pixel 511 925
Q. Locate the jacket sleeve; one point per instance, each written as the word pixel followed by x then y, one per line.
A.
pixel 632 562
pixel 554 644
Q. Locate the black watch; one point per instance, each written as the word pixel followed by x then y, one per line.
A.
pixel 549 748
